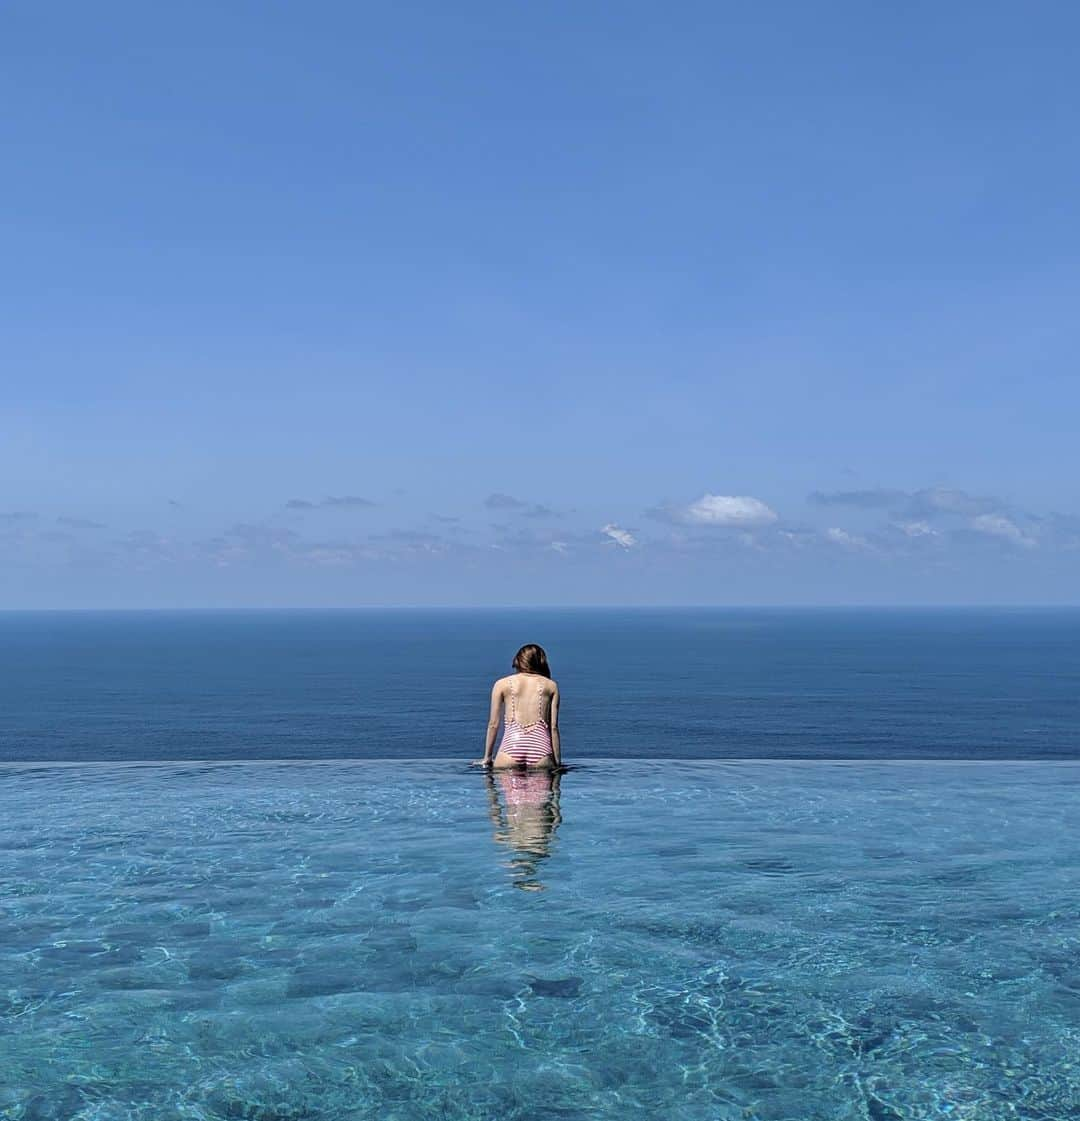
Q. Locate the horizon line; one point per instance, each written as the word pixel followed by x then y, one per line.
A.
pixel 240 608
pixel 586 761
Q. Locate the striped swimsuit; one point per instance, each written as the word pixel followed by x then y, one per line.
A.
pixel 526 744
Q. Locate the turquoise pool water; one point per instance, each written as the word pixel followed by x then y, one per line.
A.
pixel 703 941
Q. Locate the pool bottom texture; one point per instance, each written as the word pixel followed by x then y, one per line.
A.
pixel 749 941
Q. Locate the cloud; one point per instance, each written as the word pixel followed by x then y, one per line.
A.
pixel 797 536
pixel 622 537
pixel 246 541
pixel 915 529
pixel 261 535
pixel 739 511
pixel 146 548
pixel 408 542
pixel 536 538
pixel 997 525
pixel 348 502
pixel 730 509
pixel 345 502
pixel 846 540
pixel 80 523
pixel 503 502
pixel 924 503
pixel 330 556
pixel 947 500
pixel 410 537
pixel 524 509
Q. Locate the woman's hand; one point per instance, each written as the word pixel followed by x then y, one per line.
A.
pixel 480 763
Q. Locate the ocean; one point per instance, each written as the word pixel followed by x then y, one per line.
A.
pixel 804 866
pixel 643 684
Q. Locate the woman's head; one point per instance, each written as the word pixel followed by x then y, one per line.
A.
pixel 532 659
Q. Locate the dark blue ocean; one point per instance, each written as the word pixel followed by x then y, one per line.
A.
pixel 650 683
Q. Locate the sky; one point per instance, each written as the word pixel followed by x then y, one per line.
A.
pixel 338 304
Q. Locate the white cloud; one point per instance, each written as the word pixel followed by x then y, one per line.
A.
pixel 796 537
pixel 997 525
pixel 848 540
pixel 622 537
pixel 916 529
pixel 738 510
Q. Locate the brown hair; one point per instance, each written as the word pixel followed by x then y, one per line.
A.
pixel 532 659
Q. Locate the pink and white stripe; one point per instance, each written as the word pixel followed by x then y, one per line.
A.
pixel 526 743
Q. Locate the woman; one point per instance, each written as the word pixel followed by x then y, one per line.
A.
pixel 529 701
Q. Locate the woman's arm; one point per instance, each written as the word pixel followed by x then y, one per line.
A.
pixel 492 724
pixel 556 742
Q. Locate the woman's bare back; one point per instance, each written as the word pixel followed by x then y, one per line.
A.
pixel 525 707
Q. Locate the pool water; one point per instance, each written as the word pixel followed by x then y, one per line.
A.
pixel 706 941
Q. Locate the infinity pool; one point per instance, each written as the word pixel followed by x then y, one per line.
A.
pixel 758 941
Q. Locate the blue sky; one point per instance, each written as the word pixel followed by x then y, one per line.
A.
pixel 570 302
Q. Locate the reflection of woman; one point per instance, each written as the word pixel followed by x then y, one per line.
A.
pixel 529 702
pixel 528 821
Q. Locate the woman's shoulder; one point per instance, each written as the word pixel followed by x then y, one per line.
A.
pixel 547 683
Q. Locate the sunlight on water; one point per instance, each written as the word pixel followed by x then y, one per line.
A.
pixel 693 941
